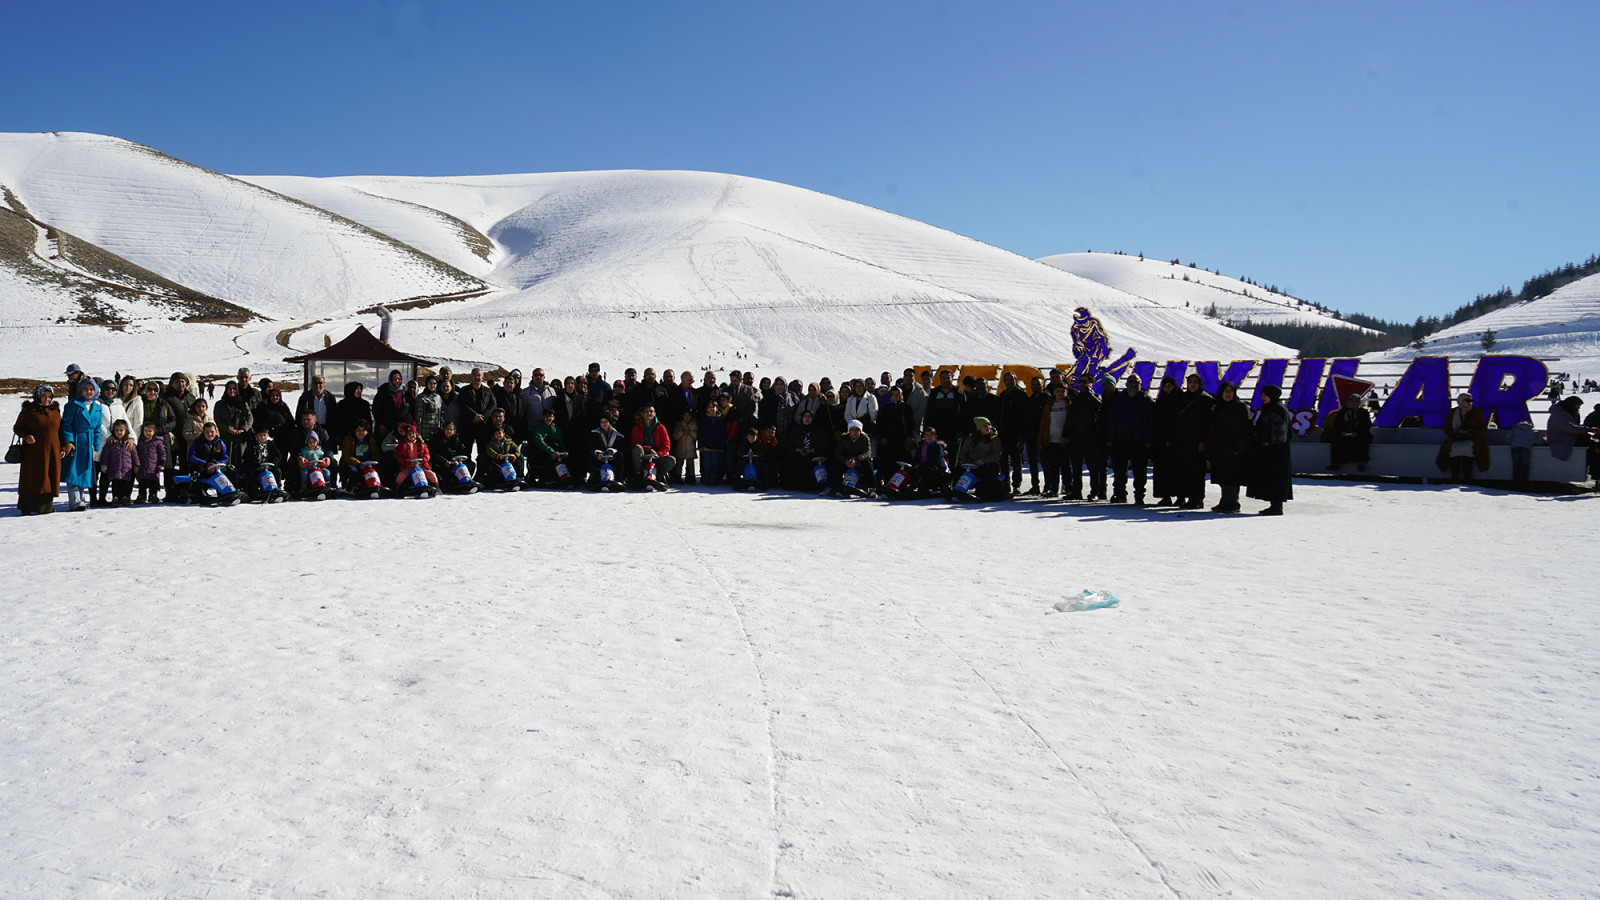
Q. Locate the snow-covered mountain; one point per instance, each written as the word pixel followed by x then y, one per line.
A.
pixel 680 269
pixel 1563 326
pixel 220 236
pixel 691 268
pixel 1186 287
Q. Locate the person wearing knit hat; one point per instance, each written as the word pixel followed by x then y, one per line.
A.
pixel 983 449
pixel 852 453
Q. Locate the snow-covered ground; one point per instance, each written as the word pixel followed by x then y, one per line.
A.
pixel 1391 691
pixel 1186 287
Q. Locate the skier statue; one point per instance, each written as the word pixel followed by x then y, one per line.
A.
pixel 1092 348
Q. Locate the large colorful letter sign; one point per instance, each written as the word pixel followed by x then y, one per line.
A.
pixel 1507 403
pixel 1501 385
pixel 1423 391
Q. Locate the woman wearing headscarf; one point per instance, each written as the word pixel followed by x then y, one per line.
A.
pixel 80 440
pixel 1464 444
pixel 1271 467
pixel 1227 445
pixel 39 426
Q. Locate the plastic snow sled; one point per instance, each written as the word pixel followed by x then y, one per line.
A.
pixel 214 489
pixel 265 486
pixel 457 477
pixel 314 484
pixel 606 476
pixel 552 477
pixel 850 484
pixel 416 484
pixel 501 475
pixel 368 484
pixel 965 489
pixel 647 479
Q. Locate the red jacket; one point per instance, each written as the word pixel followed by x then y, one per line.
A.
pixel 658 438
pixel 405 452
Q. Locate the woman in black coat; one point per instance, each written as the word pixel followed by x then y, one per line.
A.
pixel 896 432
pixel 1271 471
pixel 1166 478
pixel 1228 439
pixel 806 441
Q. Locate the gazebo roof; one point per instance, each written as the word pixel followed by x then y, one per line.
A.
pixel 360 345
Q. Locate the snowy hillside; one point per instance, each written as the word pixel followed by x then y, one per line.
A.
pixel 1185 287
pixel 690 268
pixel 1563 326
pixel 673 269
pixel 211 233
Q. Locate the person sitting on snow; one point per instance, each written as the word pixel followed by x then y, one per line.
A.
pixel 649 434
pixel 410 453
pixel 853 452
pixel 982 448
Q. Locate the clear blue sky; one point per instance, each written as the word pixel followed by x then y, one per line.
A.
pixel 1391 158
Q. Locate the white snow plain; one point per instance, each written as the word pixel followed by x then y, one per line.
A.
pixel 1390 692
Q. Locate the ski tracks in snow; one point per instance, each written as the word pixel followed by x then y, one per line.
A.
pixel 1071 770
pixel 773 805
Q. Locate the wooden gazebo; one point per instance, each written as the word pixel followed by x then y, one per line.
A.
pixel 360 358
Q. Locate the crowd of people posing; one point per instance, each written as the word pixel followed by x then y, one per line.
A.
pixel 126 441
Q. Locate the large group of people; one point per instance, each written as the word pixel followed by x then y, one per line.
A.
pixel 126 441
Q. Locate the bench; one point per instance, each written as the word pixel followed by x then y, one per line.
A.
pixel 1410 453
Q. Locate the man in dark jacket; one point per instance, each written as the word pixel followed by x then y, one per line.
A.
pixel 318 400
pixel 982 403
pixel 1019 424
pixel 1187 443
pixel 1085 444
pixel 945 410
pixel 510 398
pixel 250 394
pixel 475 402
pixel 1130 430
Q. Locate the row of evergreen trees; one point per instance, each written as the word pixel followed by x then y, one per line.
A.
pixel 1540 285
pixel 1315 340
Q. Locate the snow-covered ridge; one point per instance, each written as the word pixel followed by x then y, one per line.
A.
pixel 691 265
pixel 214 234
pixel 1563 326
pixel 1173 285
pixel 680 269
